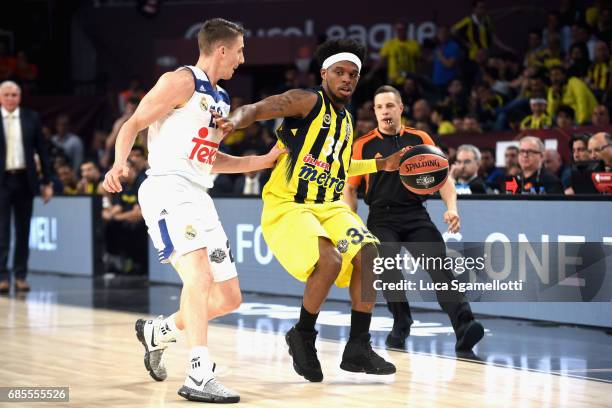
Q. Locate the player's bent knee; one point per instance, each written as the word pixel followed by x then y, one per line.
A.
pixel 330 263
pixel 233 302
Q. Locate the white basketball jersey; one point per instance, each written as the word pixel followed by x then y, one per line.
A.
pixel 185 141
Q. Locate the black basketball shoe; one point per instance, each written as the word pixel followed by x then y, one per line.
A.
pixel 302 349
pixel 468 334
pixel 358 357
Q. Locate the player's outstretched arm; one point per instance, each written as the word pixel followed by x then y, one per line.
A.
pixel 225 163
pixel 171 90
pixel 293 103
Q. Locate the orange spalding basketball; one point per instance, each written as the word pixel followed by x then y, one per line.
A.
pixel 423 169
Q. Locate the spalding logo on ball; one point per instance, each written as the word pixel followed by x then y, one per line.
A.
pixel 423 169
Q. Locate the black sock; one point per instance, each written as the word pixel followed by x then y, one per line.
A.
pixel 307 321
pixel 360 323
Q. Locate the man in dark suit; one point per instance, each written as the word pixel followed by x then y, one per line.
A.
pixel 20 138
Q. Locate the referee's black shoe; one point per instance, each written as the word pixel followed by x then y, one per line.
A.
pixel 358 357
pixel 302 349
pixel 396 339
pixel 468 334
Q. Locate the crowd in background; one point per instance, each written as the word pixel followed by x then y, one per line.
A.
pixel 467 80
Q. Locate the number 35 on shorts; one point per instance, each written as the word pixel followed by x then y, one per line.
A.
pixel 357 235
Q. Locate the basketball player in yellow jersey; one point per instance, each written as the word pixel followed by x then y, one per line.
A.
pixel 314 234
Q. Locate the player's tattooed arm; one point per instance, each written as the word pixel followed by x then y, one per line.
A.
pixel 293 103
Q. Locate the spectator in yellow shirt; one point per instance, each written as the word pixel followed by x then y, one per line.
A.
pixel 475 32
pixel 400 55
pixel 572 92
pixel 599 71
pixel 440 118
pixel 538 118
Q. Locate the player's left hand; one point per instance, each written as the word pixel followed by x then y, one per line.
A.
pixel 224 124
pixel 392 163
pixel 452 219
pixel 271 157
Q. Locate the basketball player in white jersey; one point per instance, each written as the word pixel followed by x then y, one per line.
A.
pixel 181 111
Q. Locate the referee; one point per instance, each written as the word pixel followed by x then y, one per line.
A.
pixel 398 216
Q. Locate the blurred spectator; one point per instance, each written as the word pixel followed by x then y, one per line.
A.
pixel 489 172
pixel 290 82
pixel 68 180
pixel 534 49
pixel 125 230
pixel 8 63
pixel 399 54
pixel 440 117
pixel 411 92
pixel 475 32
pixel 581 34
pixel 70 143
pixel 446 59
pixel 553 53
pixel 554 165
pixel 565 118
pixel 534 178
pixel 600 116
pixel 561 32
pixel 600 148
pixel 91 180
pixel 578 62
pixel 471 125
pixel 511 156
pixel 251 183
pixel 572 92
pixel 465 171
pixel 421 111
pixel 134 91
pixel 97 149
pixel 599 71
pixel 486 103
pixel 366 110
pixel 603 29
pixel 578 146
pixel 364 126
pixel 456 100
pixel 538 118
pixel 139 160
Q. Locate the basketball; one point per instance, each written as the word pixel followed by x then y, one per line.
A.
pixel 423 169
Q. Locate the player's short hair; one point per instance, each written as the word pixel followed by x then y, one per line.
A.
pixel 332 47
pixel 388 89
pixel 217 30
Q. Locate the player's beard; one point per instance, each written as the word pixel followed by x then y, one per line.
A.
pixel 337 99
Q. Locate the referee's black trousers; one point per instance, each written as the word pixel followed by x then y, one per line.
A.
pixel 413 229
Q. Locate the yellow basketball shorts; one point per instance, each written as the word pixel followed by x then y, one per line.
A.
pixel 292 232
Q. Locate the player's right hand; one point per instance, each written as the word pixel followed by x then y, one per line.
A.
pixel 112 182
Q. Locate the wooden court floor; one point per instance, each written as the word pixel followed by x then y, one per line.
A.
pixel 96 354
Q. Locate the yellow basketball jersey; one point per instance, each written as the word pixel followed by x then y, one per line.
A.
pixel 319 155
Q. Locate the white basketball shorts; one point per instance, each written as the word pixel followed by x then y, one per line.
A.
pixel 181 218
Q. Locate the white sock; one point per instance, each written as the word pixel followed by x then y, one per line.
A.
pixel 168 328
pixel 199 360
